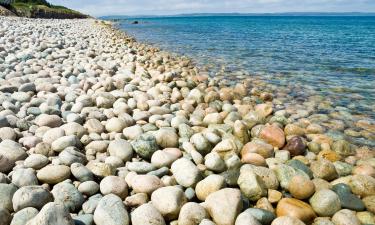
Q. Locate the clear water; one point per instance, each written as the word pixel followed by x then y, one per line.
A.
pixel 333 55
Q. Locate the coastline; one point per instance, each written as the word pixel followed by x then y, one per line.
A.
pixel 91 116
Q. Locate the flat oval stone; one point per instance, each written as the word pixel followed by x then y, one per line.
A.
pixel 53 174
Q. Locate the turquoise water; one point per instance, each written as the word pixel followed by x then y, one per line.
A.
pixel 335 56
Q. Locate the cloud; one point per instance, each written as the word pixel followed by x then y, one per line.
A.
pixel 168 7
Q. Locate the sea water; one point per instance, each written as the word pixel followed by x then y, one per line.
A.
pixel 332 55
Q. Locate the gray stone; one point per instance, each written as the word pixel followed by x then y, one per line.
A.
pixel 81 172
pixel 296 164
pixel 285 174
pixel 185 131
pixel 90 205
pixel 84 219
pixel 36 161
pixel 6 194
pixel 111 211
pixel 265 217
pixel 6 164
pixel 7 133
pixel 63 142
pixel 5 216
pixel 70 155
pixel 88 188
pixel 24 177
pixel 52 213
pixel 23 216
pixel 31 196
pixel 347 199
pixel 201 144
pixel 68 195
pixel 4 179
pixel 343 169
pixel 140 167
pixel 246 218
pixel 145 146
pixel 12 151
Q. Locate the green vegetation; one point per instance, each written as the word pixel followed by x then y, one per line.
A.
pixel 42 9
pixel 33 2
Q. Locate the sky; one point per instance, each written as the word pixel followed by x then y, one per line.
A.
pixel 171 7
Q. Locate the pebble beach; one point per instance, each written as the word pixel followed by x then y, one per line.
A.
pixel 97 128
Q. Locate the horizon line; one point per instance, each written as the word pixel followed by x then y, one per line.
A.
pixel 312 13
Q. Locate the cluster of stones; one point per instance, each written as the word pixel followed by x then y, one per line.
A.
pixel 98 129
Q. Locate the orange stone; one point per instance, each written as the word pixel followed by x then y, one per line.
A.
pixel 274 196
pixel 254 159
pixel 329 155
pixel 273 135
pixel 295 208
pixel 260 147
pixel 301 187
pixel 226 94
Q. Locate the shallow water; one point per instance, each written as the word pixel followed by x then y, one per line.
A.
pixel 333 57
